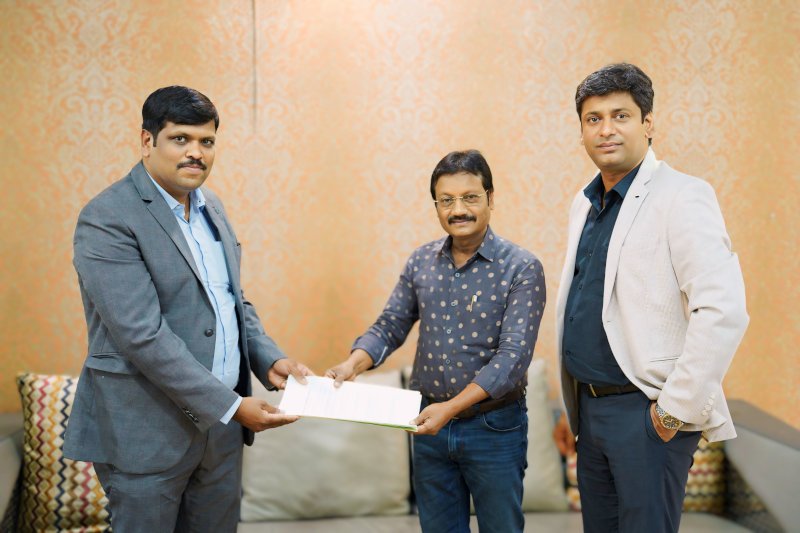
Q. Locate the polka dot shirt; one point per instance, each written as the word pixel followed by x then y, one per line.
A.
pixel 478 323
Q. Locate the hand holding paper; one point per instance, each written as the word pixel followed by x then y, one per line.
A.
pixel 355 402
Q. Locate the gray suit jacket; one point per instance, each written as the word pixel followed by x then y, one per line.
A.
pixel 146 387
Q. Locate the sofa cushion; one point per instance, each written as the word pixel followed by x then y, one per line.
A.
pixel 58 494
pixel 543 486
pixel 705 486
pixel 324 468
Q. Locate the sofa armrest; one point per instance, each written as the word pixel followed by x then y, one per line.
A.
pixel 10 461
pixel 766 454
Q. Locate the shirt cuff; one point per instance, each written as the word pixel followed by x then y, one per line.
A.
pixel 493 382
pixel 232 411
pixel 375 347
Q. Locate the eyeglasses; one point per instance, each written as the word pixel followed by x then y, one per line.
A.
pixel 447 202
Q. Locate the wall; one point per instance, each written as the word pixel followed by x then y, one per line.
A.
pixel 335 113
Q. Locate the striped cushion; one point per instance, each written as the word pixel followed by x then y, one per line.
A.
pixel 58 494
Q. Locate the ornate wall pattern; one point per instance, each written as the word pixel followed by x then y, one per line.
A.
pixel 333 115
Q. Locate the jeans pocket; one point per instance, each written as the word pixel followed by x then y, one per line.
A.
pixel 504 419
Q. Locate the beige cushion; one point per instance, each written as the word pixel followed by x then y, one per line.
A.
pixel 323 468
pixel 543 485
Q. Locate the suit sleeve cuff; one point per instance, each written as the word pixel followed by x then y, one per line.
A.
pixel 232 411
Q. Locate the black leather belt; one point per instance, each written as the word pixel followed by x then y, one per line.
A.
pixel 597 391
pixel 487 405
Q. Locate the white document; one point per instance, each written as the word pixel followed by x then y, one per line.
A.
pixel 355 402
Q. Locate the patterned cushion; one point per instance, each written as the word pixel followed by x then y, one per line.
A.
pixel 58 494
pixel 705 486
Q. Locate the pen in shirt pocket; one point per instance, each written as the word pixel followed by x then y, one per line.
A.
pixel 471 302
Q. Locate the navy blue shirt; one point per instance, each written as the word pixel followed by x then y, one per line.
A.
pixel 586 352
pixel 477 323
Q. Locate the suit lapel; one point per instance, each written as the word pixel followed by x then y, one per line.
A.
pixel 577 219
pixel 627 214
pixel 161 212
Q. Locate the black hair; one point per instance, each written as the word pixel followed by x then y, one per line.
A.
pixel 617 77
pixel 469 161
pixel 179 105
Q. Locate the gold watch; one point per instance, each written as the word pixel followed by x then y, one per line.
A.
pixel 666 419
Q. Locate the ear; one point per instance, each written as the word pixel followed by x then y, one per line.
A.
pixel 649 125
pixel 147 143
pixel 490 195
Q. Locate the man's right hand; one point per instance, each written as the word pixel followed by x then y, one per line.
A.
pixel 562 435
pixel 257 415
pixel 358 362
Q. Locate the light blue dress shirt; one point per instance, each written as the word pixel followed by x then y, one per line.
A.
pixel 209 257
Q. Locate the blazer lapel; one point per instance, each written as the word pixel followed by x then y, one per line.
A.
pixel 161 212
pixel 577 219
pixel 627 214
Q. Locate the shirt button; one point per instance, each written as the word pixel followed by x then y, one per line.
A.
pixel 458 275
pixel 447 361
pixel 209 332
pixel 580 286
pixel 448 330
pixel 454 303
pixel 571 318
pixel 568 352
pixel 589 253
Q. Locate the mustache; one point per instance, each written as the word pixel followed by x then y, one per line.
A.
pixel 194 162
pixel 460 218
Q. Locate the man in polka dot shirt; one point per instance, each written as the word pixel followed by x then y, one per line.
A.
pixel 479 299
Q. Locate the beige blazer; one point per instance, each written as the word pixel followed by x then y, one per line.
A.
pixel 673 302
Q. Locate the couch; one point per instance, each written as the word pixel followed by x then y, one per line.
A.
pixel 321 475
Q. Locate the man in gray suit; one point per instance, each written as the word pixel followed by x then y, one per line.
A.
pixel 163 405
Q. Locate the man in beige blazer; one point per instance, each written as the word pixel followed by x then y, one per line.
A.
pixel 650 311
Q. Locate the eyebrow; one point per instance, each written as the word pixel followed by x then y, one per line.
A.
pixel 613 111
pixel 180 133
pixel 463 194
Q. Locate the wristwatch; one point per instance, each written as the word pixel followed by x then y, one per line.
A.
pixel 666 419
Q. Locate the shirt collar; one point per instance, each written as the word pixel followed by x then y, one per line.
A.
pixel 487 249
pixel 594 191
pixel 196 197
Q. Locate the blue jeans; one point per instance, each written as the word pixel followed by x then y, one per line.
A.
pixel 484 456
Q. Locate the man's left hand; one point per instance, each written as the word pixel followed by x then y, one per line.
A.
pixel 280 371
pixel 665 434
pixel 433 418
